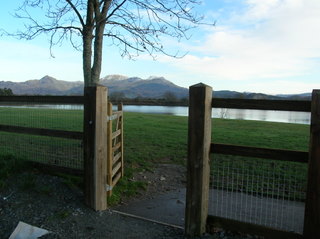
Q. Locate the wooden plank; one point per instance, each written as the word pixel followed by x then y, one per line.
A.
pixel 116 169
pixel 42 132
pixel 116 179
pixel 116 133
pixel 266 153
pixel 44 99
pixel 116 157
pixel 312 204
pixel 118 113
pixel 95 152
pixel 113 117
pixel 284 105
pixel 110 152
pixel 198 169
pixel 120 109
pixel 249 228
pixel 116 147
pixel 49 168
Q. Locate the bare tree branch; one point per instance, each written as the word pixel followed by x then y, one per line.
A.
pixel 134 26
pixel 76 11
pixel 115 9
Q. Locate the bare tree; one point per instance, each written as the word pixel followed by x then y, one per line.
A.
pixel 135 26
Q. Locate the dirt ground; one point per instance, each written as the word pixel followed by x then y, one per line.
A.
pixel 50 202
pixel 162 179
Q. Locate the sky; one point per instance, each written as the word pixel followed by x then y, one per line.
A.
pixel 265 46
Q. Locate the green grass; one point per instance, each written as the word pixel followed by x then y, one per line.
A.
pixel 151 139
pixel 71 120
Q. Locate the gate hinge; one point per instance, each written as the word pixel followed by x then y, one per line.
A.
pixel 108 188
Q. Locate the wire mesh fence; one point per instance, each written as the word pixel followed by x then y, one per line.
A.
pixel 44 149
pixel 264 192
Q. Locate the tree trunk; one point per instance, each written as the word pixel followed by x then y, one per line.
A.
pixel 97 57
pixel 87 36
pixel 86 57
pixel 95 22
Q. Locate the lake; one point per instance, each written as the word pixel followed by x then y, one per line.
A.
pixel 263 115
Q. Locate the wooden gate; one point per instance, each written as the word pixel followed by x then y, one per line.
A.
pixel 115 147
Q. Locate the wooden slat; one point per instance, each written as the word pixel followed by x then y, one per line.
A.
pixel 116 133
pixel 249 228
pixel 116 158
pixel 115 115
pixel 116 169
pixel 49 168
pixel 116 179
pixel 120 109
pixel 42 132
pixel 276 154
pixel 44 99
pixel 116 147
pixel 284 105
pixel 110 152
pixel 118 113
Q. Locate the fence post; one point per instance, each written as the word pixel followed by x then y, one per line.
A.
pixel 312 206
pixel 95 150
pixel 110 153
pixel 198 174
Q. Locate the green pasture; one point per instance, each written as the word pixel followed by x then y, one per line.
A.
pixel 151 139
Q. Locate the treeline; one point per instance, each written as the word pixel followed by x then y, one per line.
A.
pixel 6 91
pixel 168 99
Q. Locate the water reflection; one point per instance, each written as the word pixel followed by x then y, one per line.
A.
pixel 263 115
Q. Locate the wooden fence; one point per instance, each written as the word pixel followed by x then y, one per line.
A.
pixel 103 148
pixel 200 146
pixel 115 144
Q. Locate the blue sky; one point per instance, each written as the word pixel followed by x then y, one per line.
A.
pixel 268 46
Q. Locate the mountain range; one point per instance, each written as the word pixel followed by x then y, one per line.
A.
pixel 129 87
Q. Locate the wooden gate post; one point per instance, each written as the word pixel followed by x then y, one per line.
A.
pixel 312 206
pixel 95 147
pixel 198 174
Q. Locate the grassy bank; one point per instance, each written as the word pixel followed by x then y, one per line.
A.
pixel 149 138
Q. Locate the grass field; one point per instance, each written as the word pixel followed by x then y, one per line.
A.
pixel 150 139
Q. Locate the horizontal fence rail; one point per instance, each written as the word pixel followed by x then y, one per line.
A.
pixel 42 132
pixel 266 153
pixel 44 99
pixel 282 105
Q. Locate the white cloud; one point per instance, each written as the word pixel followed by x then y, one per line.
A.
pixel 270 39
pixel 283 86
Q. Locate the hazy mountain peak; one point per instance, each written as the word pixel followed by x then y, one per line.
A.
pixel 115 77
pixel 155 77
